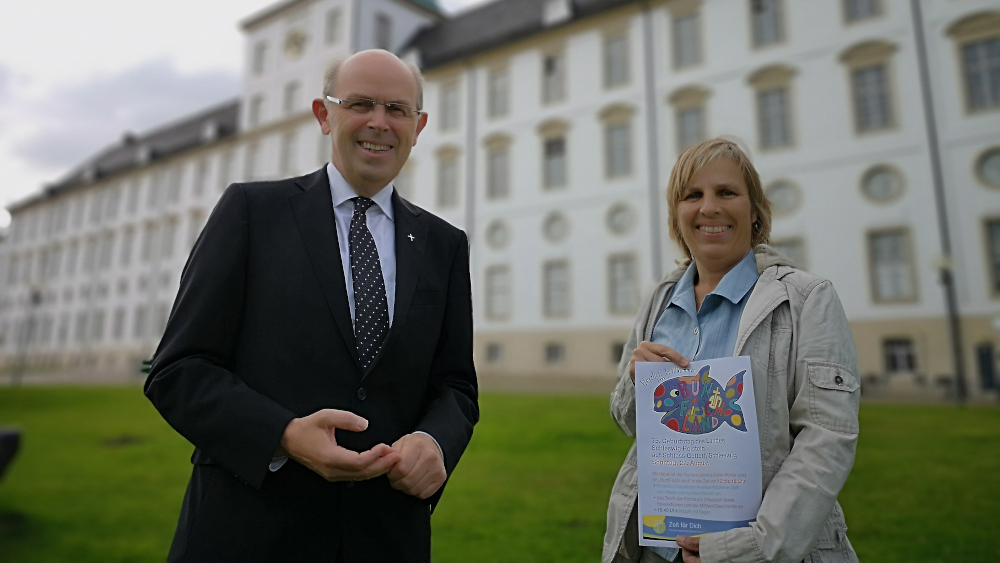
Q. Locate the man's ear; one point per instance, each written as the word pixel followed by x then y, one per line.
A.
pixel 421 123
pixel 319 110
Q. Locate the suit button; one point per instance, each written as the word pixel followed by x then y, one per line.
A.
pixel 362 394
pixel 839 380
pixel 349 484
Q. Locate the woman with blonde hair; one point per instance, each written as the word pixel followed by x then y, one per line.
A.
pixel 736 296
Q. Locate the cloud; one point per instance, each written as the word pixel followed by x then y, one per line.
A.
pixel 77 121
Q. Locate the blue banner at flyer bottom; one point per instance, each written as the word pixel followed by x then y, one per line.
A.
pixel 668 528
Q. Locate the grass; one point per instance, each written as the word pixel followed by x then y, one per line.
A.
pixel 100 478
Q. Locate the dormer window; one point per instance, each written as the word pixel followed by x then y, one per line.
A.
pixel 556 12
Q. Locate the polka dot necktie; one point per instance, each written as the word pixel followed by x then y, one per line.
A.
pixel 371 313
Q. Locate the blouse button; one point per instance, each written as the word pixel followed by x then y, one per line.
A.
pixel 696 330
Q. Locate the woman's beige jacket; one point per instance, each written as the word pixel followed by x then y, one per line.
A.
pixel 806 387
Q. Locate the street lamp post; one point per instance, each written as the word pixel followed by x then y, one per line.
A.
pixel 946 268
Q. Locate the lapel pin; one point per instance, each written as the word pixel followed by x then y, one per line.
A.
pixel 411 237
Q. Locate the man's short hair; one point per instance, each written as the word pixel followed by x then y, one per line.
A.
pixel 692 161
pixel 333 69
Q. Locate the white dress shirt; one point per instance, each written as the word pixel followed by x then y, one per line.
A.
pixel 380 223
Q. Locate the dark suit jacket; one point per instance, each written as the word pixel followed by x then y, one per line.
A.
pixel 261 333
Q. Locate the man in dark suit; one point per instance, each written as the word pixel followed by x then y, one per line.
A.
pixel 319 353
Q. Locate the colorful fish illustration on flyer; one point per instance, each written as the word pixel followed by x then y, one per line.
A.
pixel 698 449
pixel 698 404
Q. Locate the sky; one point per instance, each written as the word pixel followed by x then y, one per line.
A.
pixel 74 76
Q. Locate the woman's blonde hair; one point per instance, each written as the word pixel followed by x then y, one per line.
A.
pixel 692 161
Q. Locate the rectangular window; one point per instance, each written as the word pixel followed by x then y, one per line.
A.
pixel 107 247
pixel 993 246
pixel 617 351
pixel 855 10
pixel 555 352
pixel 89 255
pixel 128 238
pixel 615 60
pixel 97 326
pixel 690 127
pixel 553 77
pixel 256 110
pixel 449 107
pixel 766 17
pixel 225 169
pixel 71 256
pixel 494 353
pixel 892 271
pixel 982 73
pixel 200 175
pixel 132 205
pixel 155 189
pixel 168 239
pixel 383 32
pixel 150 242
pixel 618 150
pixel 287 153
pixel 111 201
pixel 497 173
pixel 139 322
pixel 82 324
pixel 899 355
pixel 498 292
pixel 555 163
pixel 172 178
pixel 331 33
pixel 447 192
pixel 497 91
pixel 772 106
pixel 118 324
pixel 687 40
pixel 250 163
pixel 96 206
pixel 556 288
pixel 871 99
pixel 259 54
pixel 291 102
pixel 78 210
pixel 793 248
pixel 623 293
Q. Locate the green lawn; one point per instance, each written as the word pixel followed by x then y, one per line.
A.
pixel 100 478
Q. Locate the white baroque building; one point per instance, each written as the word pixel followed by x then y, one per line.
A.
pixel 553 128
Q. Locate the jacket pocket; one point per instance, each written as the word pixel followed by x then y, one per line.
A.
pixel 833 401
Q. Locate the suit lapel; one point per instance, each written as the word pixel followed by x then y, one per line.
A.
pixel 313 210
pixel 409 261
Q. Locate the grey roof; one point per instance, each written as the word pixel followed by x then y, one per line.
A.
pixel 492 25
pixel 133 151
pixel 255 18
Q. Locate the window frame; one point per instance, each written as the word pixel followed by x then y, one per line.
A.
pixel 907 246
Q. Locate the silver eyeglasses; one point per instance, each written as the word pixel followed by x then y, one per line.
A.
pixel 364 105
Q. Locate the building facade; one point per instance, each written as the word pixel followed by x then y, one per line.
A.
pixel 553 128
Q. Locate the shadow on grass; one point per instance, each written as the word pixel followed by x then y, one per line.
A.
pixel 13 525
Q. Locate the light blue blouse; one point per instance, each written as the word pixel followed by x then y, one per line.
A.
pixel 707 333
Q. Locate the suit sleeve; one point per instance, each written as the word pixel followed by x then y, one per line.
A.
pixel 823 421
pixel 192 381
pixel 454 409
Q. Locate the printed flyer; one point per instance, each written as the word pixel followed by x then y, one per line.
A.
pixel 698 448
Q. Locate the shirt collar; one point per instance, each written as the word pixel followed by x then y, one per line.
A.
pixel 733 286
pixel 342 192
